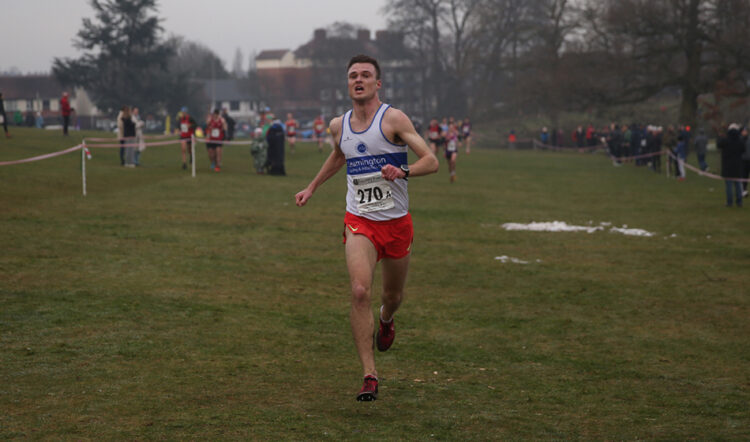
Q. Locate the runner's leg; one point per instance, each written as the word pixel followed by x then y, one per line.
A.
pixel 361 258
pixel 394 280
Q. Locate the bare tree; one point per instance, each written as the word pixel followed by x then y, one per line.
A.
pixel 695 46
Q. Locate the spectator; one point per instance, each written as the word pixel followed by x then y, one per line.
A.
pixel 544 136
pixel 579 137
pixel 732 148
pixel 670 142
pixel 3 117
pixel 259 151
pixel 39 121
pixel 681 152
pixel 138 137
pixel 65 111
pixel 126 134
pixel 745 162
pixel 275 139
pixel 590 136
pixel 701 146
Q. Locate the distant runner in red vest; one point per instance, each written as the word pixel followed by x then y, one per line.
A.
pixel 319 127
pixel 291 131
pixel 187 129
pixel 433 135
pixel 216 127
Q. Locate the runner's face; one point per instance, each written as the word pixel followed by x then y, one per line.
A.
pixel 362 81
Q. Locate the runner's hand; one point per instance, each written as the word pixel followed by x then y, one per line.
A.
pixel 391 173
pixel 302 197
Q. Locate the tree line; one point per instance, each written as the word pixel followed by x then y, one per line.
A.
pixel 552 56
pixel 542 57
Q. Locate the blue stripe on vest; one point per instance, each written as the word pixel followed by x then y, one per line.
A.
pixel 370 164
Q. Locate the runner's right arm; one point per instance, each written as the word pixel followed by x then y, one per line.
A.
pixel 332 165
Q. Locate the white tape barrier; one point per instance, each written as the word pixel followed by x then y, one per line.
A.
pixel 637 157
pixel 229 143
pixel 703 173
pixel 41 157
pixel 539 145
pixel 109 144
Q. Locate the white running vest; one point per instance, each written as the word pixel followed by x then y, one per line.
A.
pixel 368 194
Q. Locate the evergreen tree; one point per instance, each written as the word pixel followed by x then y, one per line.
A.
pixel 124 60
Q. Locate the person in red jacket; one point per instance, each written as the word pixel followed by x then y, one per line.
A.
pixel 65 111
pixel 216 128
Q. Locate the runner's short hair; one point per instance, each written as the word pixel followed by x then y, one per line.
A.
pixel 361 58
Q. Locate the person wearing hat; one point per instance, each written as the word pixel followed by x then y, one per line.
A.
pixel 732 148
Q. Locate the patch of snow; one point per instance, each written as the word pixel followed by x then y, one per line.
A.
pixel 560 226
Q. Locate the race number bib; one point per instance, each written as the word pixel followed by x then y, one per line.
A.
pixel 183 127
pixel 373 193
pixel 215 133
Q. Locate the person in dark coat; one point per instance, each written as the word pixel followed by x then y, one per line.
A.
pixel 732 148
pixel 275 138
pixel 3 117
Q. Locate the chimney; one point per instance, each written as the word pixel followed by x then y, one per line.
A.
pixel 319 34
pixel 363 35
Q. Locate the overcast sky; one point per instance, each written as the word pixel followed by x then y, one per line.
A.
pixel 36 31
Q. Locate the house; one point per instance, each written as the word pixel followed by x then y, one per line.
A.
pixel 236 95
pixel 42 93
pixel 311 80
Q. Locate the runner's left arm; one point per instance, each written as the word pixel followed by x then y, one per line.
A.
pixel 404 131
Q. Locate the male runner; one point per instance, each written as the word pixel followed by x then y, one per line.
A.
pixel 319 127
pixel 433 134
pixel 372 140
pixel 187 129
pixel 216 128
pixel 291 131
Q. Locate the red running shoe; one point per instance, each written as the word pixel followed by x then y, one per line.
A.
pixel 369 391
pixel 386 335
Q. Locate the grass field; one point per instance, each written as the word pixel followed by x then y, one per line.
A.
pixel 166 307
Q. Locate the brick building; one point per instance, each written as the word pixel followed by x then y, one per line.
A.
pixel 312 79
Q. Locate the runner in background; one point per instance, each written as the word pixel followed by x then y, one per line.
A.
pixel 433 135
pixel 319 127
pixel 291 131
pixel 466 134
pixel 216 129
pixel 228 135
pixel 186 126
pixel 443 134
pixel 451 150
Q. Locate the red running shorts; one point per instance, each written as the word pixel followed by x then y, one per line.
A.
pixel 392 238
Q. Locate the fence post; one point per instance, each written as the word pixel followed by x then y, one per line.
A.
pixel 192 153
pixel 83 165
